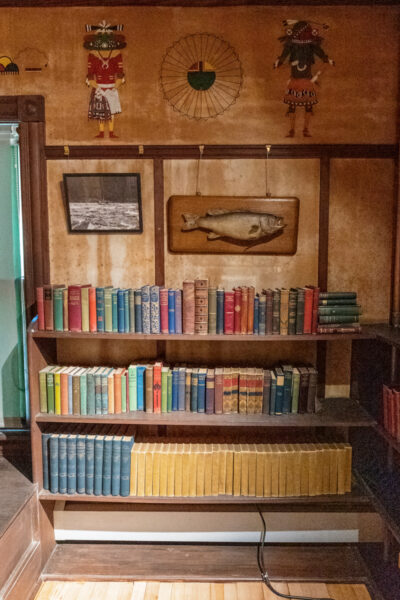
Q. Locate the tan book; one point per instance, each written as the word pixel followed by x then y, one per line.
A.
pixel 243 391
pixel 333 469
pixel 305 470
pixel 284 311
pixel 252 469
pixel 328 451
pixel 134 466
pixel 163 470
pixel 229 470
pixel 312 470
pixel 260 461
pixel 192 469
pixel 321 457
pixel 237 470
pixel 275 454
pixel 283 458
pixel 251 391
pixel 341 487
pixel 185 470
pixel 178 469
pixel 141 469
pixel 235 390
pixel 290 454
pixel 348 465
pixel 244 478
pixel 208 465
pixel 259 377
pixel 156 469
pixel 216 453
pixel 223 451
pixel 268 471
pixel 171 469
pixel 85 308
pixel 148 489
pixel 297 451
pixel 227 390
pixel 201 450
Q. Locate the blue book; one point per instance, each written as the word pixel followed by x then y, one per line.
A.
pixel 169 391
pixel 131 301
pixel 175 383
pixel 62 464
pixel 171 311
pixel 155 309
pixel 121 311
pixel 193 394
pixel 81 464
pixel 140 386
pixel 138 311
pixel 97 390
pixel 71 464
pixel 114 309
pixel 220 311
pixel 287 389
pixel 45 460
pixel 107 465
pixel 272 395
pixel 262 314
pixel 280 384
pixel 53 447
pixel 98 465
pixel 126 311
pixel 256 315
pixel 201 391
pixel 91 394
pixel 181 388
pixel 126 449
pixel 100 308
pixel 146 309
pixel 89 464
pixel 116 465
pixel 178 311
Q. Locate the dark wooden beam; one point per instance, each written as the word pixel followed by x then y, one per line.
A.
pixel 192 3
pixel 225 152
pixel 22 108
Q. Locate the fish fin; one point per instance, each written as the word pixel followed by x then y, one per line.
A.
pixel 254 230
pixel 190 221
pixel 213 236
pixel 217 211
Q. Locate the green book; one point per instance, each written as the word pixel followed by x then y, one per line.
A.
pixel 338 318
pixel 212 310
pixel 83 390
pixel 169 391
pixel 131 313
pixel 276 311
pixel 50 390
pixel 333 301
pixel 58 309
pixel 123 392
pixel 300 312
pixel 108 321
pixel 132 386
pixel 292 311
pixel 295 390
pixel 326 295
pixel 164 389
pixel 90 389
pixel 354 310
pixel 114 302
pixel 43 388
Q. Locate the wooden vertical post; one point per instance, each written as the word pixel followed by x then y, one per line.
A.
pixel 324 185
pixel 395 299
pixel 159 228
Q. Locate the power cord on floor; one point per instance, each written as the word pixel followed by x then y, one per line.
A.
pixel 264 574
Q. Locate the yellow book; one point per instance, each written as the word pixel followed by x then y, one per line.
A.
pixel 156 469
pixel 223 451
pixel 208 465
pixel 275 470
pixel 235 390
pixel 185 470
pixel 348 465
pixel 141 469
pixel 328 451
pixel 148 488
pixel 244 478
pixel 290 452
pixel 85 308
pixel 341 487
pixel 305 470
pixel 163 469
pixel 252 469
pixel 268 461
pixel 281 448
pixel 320 469
pixel 201 449
pixel 178 469
pixel 171 470
pixel 237 470
pixel 110 389
pixel 216 453
pixel 297 452
pixel 312 470
pixel 229 470
pixel 192 469
pixel 57 390
pixel 260 456
pixel 134 465
pixel 259 390
pixel 251 391
pixel 333 469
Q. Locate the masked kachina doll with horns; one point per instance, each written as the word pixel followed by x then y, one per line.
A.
pixel 301 44
pixel 105 73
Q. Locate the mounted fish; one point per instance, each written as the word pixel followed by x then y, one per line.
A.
pixel 232 225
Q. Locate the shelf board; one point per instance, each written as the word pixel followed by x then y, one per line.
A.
pixel 335 412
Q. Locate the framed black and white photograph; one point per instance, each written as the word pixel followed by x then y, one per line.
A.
pixel 103 202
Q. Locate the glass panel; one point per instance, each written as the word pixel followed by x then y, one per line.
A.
pixel 13 363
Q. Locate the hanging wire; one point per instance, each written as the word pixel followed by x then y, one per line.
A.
pixel 267 192
pixel 201 150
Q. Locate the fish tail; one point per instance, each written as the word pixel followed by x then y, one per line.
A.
pixel 190 221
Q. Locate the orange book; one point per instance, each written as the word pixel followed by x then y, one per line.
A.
pixel 245 305
pixel 64 391
pixel 250 310
pixel 92 309
pixel 117 391
pixel 157 387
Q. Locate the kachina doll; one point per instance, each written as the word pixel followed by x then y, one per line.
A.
pixel 301 44
pixel 105 74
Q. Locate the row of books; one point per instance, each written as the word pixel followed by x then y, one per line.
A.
pixel 194 309
pixel 391 410
pixel 108 461
pixel 162 388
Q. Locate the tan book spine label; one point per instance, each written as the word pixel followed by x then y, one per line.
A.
pixel 185 470
pixel 192 470
pixel 156 469
pixel 237 471
pixel 141 470
pixel 163 470
pixel 297 451
pixel 134 468
pixel 274 470
pixel 208 464
pixel 244 481
pixel 223 451
pixel 171 470
pixel 252 469
pixel 229 471
pixel 282 469
pixel 289 470
pixel 149 470
pixel 216 453
pixel 200 470
pixel 305 470
pixel 178 470
pixel 267 471
pixel 312 476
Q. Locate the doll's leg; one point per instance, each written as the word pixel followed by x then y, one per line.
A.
pixel 307 115
pixel 291 113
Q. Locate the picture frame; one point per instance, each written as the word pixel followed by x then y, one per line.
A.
pixel 103 202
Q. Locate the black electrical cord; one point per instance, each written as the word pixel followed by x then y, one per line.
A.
pixel 264 574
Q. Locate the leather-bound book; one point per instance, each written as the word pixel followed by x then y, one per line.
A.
pixel 188 306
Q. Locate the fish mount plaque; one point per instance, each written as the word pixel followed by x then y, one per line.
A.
pixel 232 225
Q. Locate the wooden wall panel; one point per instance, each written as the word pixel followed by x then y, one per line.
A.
pixel 357 97
pixel 121 259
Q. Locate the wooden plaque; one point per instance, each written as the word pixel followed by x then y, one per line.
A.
pixel 197 240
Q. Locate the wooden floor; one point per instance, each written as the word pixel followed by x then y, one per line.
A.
pixel 155 590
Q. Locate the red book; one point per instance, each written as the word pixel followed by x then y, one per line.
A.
pixel 314 317
pixel 238 309
pixel 157 387
pixel 250 310
pixel 48 307
pixel 64 393
pixel 92 309
pixel 308 309
pixel 229 312
pixel 201 306
pixel 118 390
pixel 164 310
pixel 188 307
pixel 40 307
pixel 219 390
pixel 245 304
pixel 74 308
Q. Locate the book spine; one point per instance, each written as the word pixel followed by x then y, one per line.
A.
pixel 181 388
pixel 178 311
pixel 287 392
pixel 155 309
pixel 89 465
pixel 131 310
pixel 171 311
pixel 40 308
pixel 268 312
pixel 92 310
pixel 50 393
pixel 188 386
pixel 243 392
pixel 132 379
pixel 353 310
pixel 188 307
pixel 266 391
pixel 157 388
pixel 62 464
pixel 344 329
pixel 300 312
pixel 74 308
pixel 337 319
pixel 48 307
pixel 312 390
pixel 71 464
pixel 121 311
pixel 97 380
pixel 81 464
pixel 104 393
pixel 43 391
pixel 138 311
pixel 146 309
pixel 308 303
pixel 169 391
pixel 279 395
pixel 100 308
pixel 337 301
pixel 262 314
pixel 65 310
pixel 126 312
pixel 256 323
pixel 245 305
pixel 114 310
pixel 140 387
pixel 126 449
pixel 201 306
pixel 149 392
pixel 116 466
pixel 76 395
pixel 108 310
pixel 250 310
pixel 164 310
pixel 98 465
pixel 276 310
pixel 83 392
pixel 107 465
pixel 201 393
pixel 175 389
pixel 91 395
pixel 45 460
pixel 212 310
pixel 336 295
pixel 292 312
pixel 164 391
pixel 238 310
pixel 85 308
pixel 194 394
pixel 229 312
pixel 57 393
pixel 219 392
pixel 58 309
pixel 53 447
pixel 284 312
pixel 220 311
pixel 210 391
pixel 314 319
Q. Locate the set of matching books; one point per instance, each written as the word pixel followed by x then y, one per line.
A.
pixel 197 308
pixel 338 312
pixel 160 388
pixel 97 462
pixel 261 470
pixel 391 410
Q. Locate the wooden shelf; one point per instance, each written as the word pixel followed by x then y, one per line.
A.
pixel 385 333
pixel 335 412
